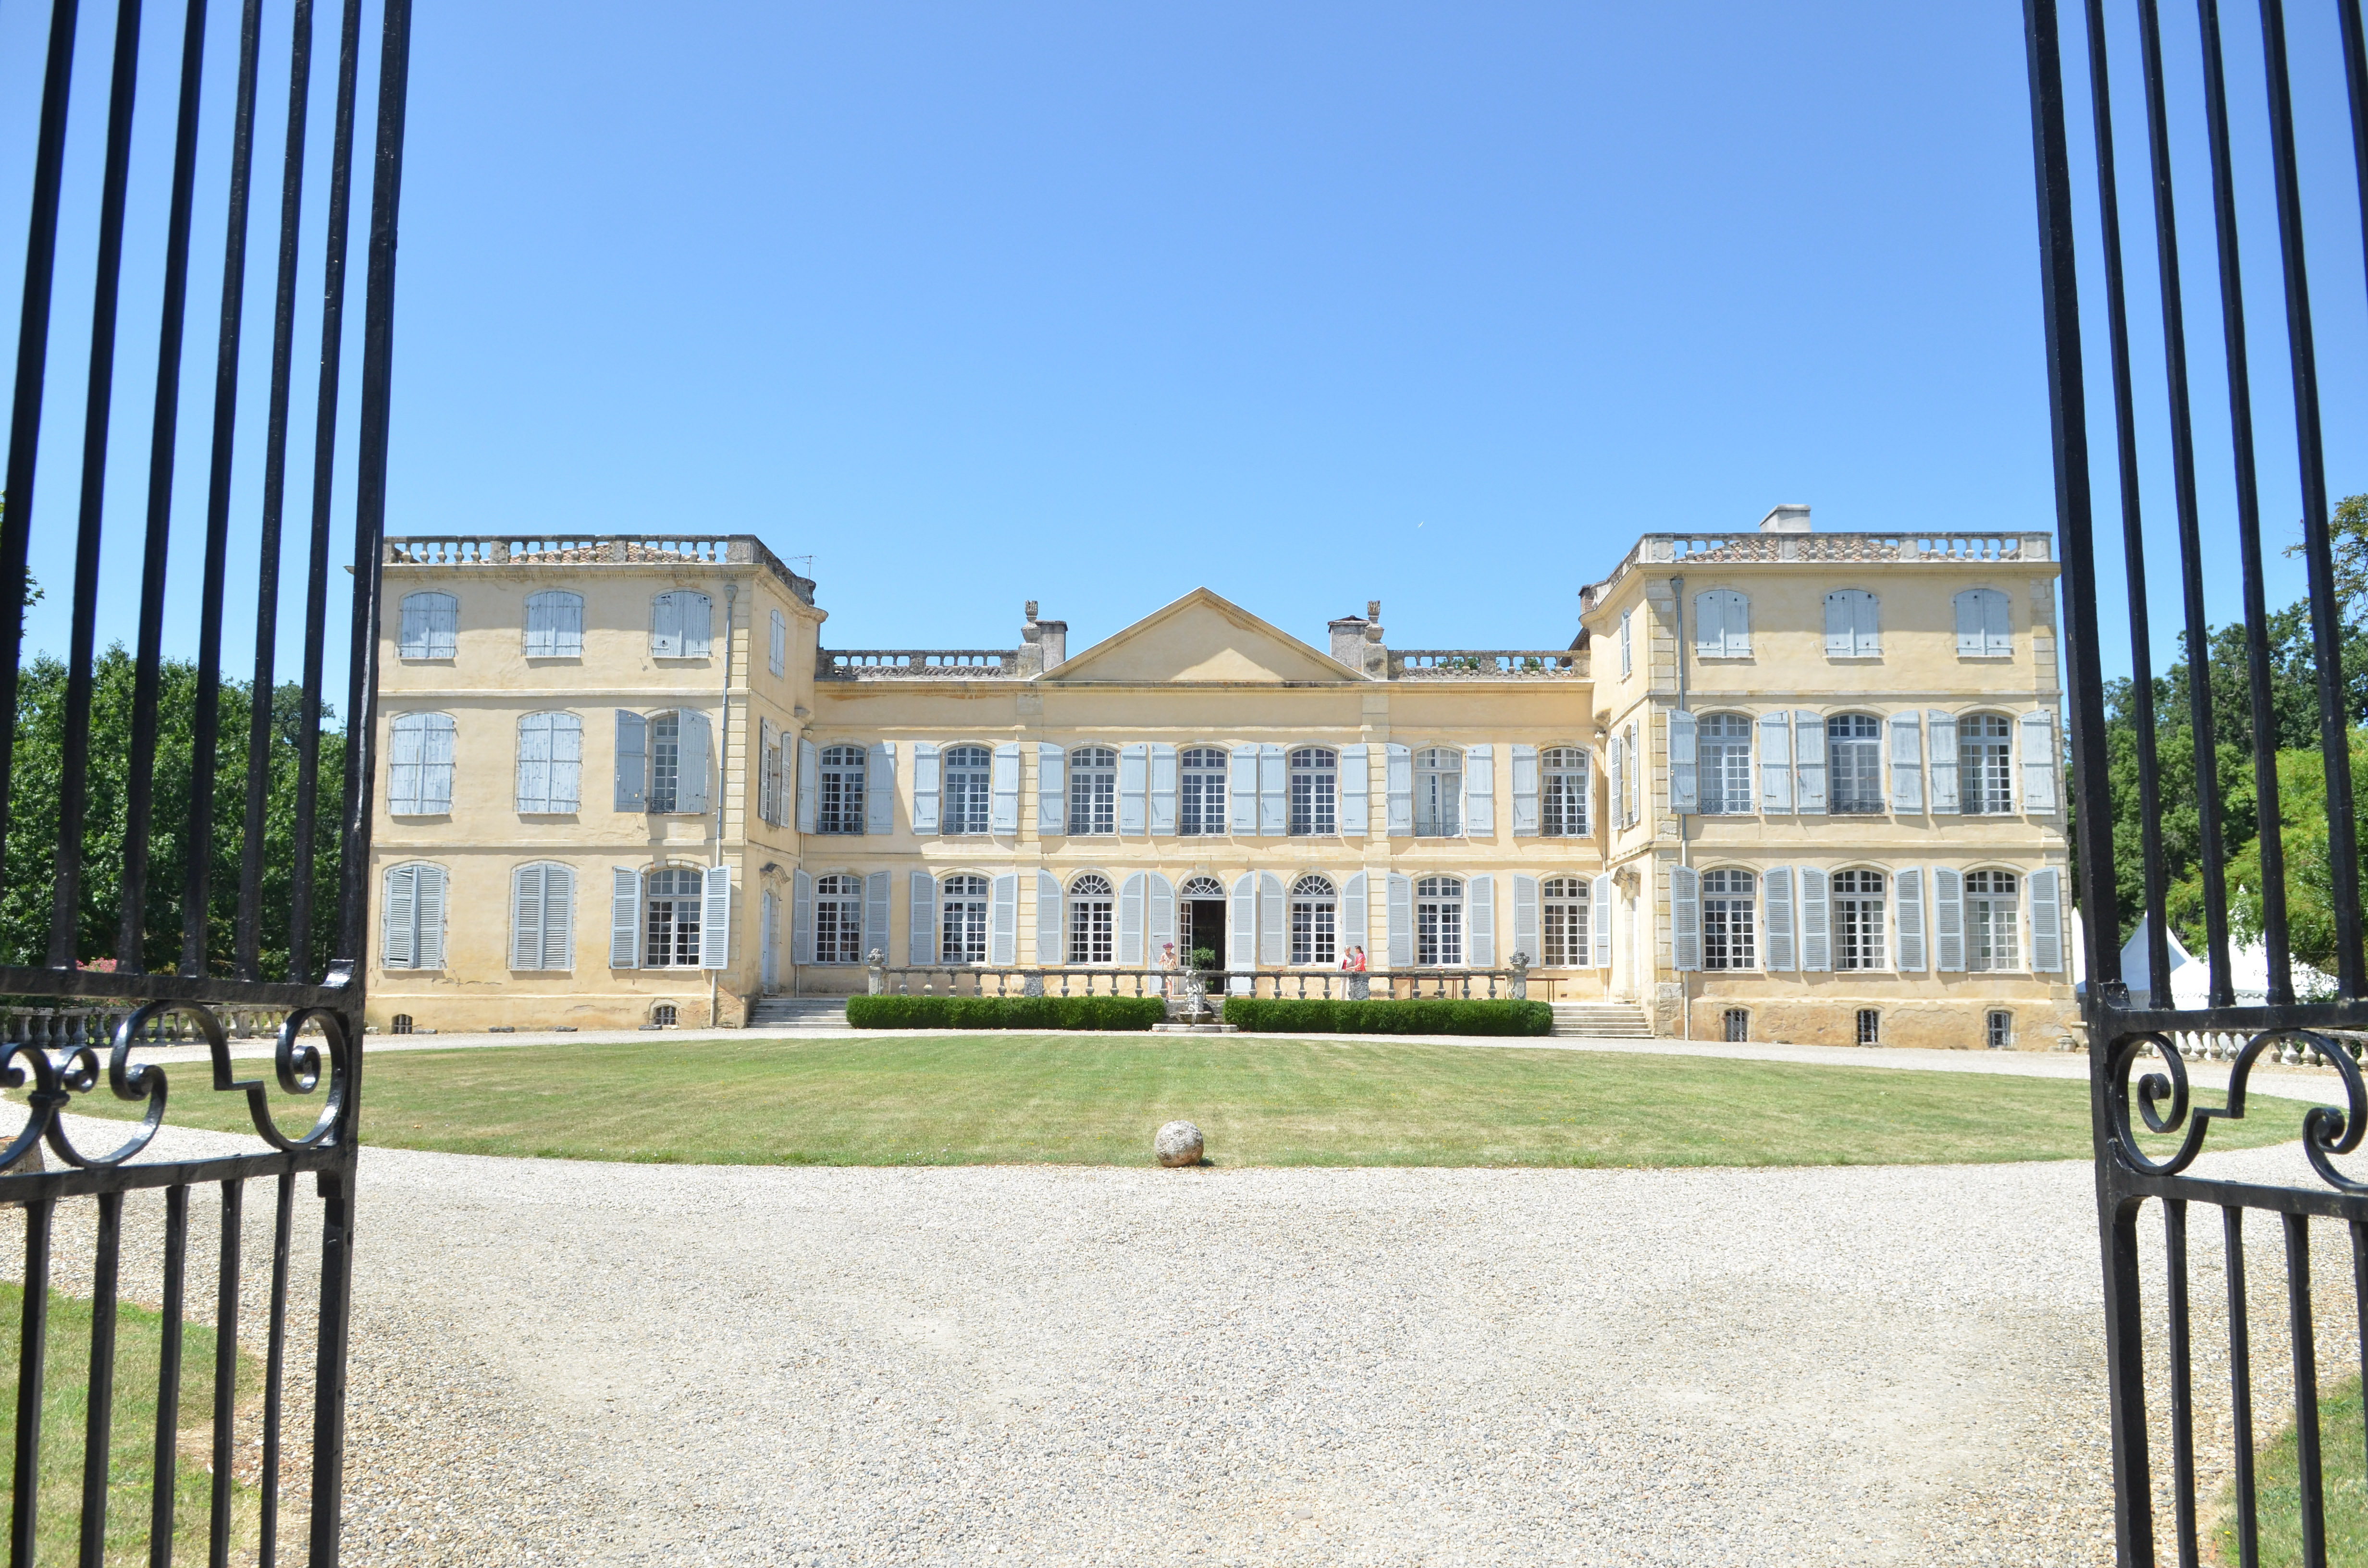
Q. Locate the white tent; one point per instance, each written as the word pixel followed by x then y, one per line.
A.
pixel 2190 977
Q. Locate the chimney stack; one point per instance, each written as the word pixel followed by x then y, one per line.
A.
pixel 1787 519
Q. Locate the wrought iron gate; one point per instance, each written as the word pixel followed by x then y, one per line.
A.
pixel 2129 1170
pixel 315 997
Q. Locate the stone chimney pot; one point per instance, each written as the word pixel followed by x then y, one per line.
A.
pixel 1787 519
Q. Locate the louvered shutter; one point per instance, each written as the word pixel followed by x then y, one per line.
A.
pixel 1907 916
pixel 1684 767
pixel 1941 730
pixel 1710 625
pixel 1809 763
pixel 1480 923
pixel 1355 925
pixel 1685 918
pixel 1906 762
pixel 1619 781
pixel 769 938
pixel 1949 920
pixel 1775 762
pixel 1052 788
pixel 1997 637
pixel 1004 808
pixel 1003 928
pixel 1525 919
pixel 769 780
pixel 633 762
pixel 431 916
pixel 802 916
pixel 1817 924
pixel 558 917
pixel 697 626
pixel 1356 791
pixel 665 626
pixel 1480 792
pixel 879 788
pixel 1525 791
pixel 1274 792
pixel 1397 782
pixel 1969 624
pixel 693 795
pixel 1131 893
pixel 875 915
pixel 399 936
pixel 1837 625
pixel 1776 916
pixel 1401 930
pixel 1271 951
pixel 526 917
pixel 2036 739
pixel 1242 791
pixel 777 656
pixel 925 787
pixel 715 915
pixel 1051 952
pixel 1867 637
pixel 1599 918
pixel 779 779
pixel 2046 922
pixel 921 942
pixel 1158 915
pixel 1134 785
pixel 626 917
pixel 1241 924
pixel 1163 790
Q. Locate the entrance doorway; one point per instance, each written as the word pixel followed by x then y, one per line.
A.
pixel 1201 905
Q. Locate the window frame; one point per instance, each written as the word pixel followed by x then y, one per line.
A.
pixel 955 808
pixel 1866 752
pixel 1863 950
pixel 834 803
pixel 1556 802
pixel 1574 940
pixel 1439 922
pixel 1432 797
pixel 1194 784
pixel 423 722
pixel 418 927
pixel 976 909
pixel 1972 777
pixel 1091 788
pixel 1321 815
pixel 681 935
pixel 839 923
pixel 1981 958
pixel 1721 731
pixel 1731 947
pixel 1315 942
pixel 1089 921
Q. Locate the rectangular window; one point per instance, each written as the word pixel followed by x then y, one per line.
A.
pixel 666 761
pixel 1093 790
pixel 1985 765
pixel 1627 654
pixel 549 762
pixel 1200 792
pixel 1314 933
pixel 1438 793
pixel 1854 752
pixel 1091 934
pixel 1858 919
pixel 1993 912
pixel 969 791
pixel 1562 804
pixel 430 626
pixel 1315 792
pixel 1728 902
pixel 1725 748
pixel 840 807
pixel 1563 924
pixel 1870 1027
pixel 1438 921
pixel 962 921
pixel 554 625
pixel 1999 1034
pixel 1738 1026
pixel 674 897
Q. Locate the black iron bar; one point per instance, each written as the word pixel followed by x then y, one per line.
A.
pixel 2359 1293
pixel 32 1350
pixel 275 1372
pixel 2355 85
pixel 2240 1389
pixel 73 775
pixel 234 1214
pixel 325 451
pixel 2183 1382
pixel 2306 1383
pixel 2272 839
pixel 99 1434
pixel 2191 536
pixel 32 362
pixel 329 1373
pixel 2326 614
pixel 168 1379
pixel 2125 442
pixel 249 933
pixel 205 730
pixel 140 785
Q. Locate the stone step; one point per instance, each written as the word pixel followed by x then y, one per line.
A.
pixel 776 1012
pixel 1600 1020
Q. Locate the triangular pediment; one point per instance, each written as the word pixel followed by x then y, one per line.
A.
pixel 1200 638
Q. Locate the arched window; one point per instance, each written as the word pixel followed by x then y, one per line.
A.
pixel 1438 792
pixel 1201 793
pixel 1722 625
pixel 962 920
pixel 838 920
pixel 1315 921
pixel 1093 790
pixel 1563 901
pixel 1563 807
pixel 682 625
pixel 431 627
pixel 554 625
pixel 1437 921
pixel 542 916
pixel 1723 745
pixel 411 920
pixel 840 800
pixel 1727 900
pixel 1858 919
pixel 419 765
pixel 670 897
pixel 1850 625
pixel 1993 916
pixel 1854 758
pixel 969 791
pixel 549 763
pixel 1985 765
pixel 1315 792
pixel 1983 630
pixel 1091 929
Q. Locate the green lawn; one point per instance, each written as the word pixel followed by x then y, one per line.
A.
pixel 1002 1098
pixel 65 1404
pixel 2277 1490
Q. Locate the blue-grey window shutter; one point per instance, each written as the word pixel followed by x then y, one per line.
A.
pixel 1776 917
pixel 697 626
pixel 1685 918
pixel 436 752
pixel 1355 925
pixel 802 917
pixel 809 785
pixel 692 796
pixel 1398 781
pixel 1159 917
pixel 1241 926
pixel 399 941
pixel 1480 923
pixel 875 915
pixel 1131 893
pixel 626 917
pixel 1480 792
pixel 1809 762
pixel 1401 921
pixel 1271 951
pixel 1052 952
pixel 924 787
pixel 1356 791
pixel 1525 920
pixel 558 917
pixel 1052 788
pixel 2035 739
pixel 540 637
pixel 923 946
pixel 1274 800
pixel 879 788
pixel 715 918
pixel 1002 927
pixel 1907 761
pixel 1242 791
pixel 1004 810
pixel 1907 914
pixel 431 916
pixel 526 917
pixel 665 626
pixel 1998 636
pixel 2046 922
pixel 1163 789
pixel 776 657
pixel 1684 772
pixel 1525 796
pixel 1943 733
pixel 1134 785
pixel 1775 762
pixel 1599 919
pixel 1948 920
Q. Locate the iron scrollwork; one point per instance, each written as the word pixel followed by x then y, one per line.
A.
pixel 58 1076
pixel 2327 1131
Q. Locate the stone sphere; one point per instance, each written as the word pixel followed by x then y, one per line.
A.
pixel 1179 1143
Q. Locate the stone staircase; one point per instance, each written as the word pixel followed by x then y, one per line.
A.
pixel 1601 1020
pixel 799 1012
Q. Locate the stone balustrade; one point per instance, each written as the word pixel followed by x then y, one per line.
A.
pixel 1488 663
pixel 1854 549
pixel 2227 1045
pixel 55 1029
pixel 917 664
pixel 590 550
pixel 1327 985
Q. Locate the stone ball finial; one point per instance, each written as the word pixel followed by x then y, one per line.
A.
pixel 1177 1144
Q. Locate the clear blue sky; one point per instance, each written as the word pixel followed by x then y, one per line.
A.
pixel 1310 304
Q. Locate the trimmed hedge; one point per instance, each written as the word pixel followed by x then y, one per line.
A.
pixel 1136 1012
pixel 1430 1014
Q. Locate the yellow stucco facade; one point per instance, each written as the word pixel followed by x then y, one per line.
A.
pixel 621 781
